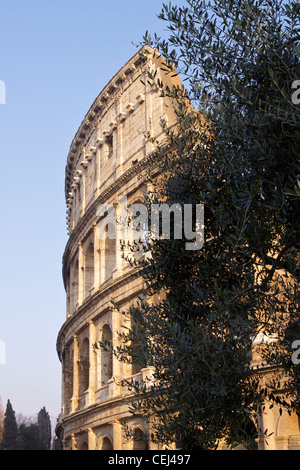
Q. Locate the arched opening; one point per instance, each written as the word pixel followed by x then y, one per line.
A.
pixel 84 446
pixel 110 250
pixel 68 291
pixel 84 366
pixel 140 441
pixel 109 147
pixel 289 425
pixel 106 444
pixel 136 348
pixel 106 355
pixel 68 374
pixel 75 285
pixel 89 270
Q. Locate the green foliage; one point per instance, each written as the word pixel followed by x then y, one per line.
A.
pixel 28 435
pixel 236 152
pixel 44 426
pixel 10 433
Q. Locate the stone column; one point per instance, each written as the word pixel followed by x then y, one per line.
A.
pixel 116 269
pixel 117 365
pixel 81 175
pixel 93 364
pixel 152 445
pixel 117 435
pixel 149 146
pixel 99 142
pixel 73 442
pixel 91 439
pixel 119 132
pixel 63 387
pixel 102 261
pixel 74 207
pixel 97 258
pixel 268 426
pixel 75 374
pixel 80 274
pixel 121 234
pixel 68 296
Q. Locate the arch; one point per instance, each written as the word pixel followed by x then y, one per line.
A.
pixel 68 374
pixel 77 202
pixel 84 366
pixel 140 441
pixel 74 284
pixel 289 425
pixel 106 444
pixel 68 290
pixel 89 269
pixel 109 147
pixel 136 366
pixel 106 355
pixel 84 446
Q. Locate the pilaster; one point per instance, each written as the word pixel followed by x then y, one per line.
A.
pixel 268 429
pixel 80 274
pixel 75 374
pixel 117 435
pixel 93 364
pixel 91 439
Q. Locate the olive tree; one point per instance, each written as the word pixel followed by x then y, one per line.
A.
pixel 217 325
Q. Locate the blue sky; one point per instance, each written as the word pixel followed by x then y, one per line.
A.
pixel 55 56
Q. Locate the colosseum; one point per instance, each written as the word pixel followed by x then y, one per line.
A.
pixel 106 157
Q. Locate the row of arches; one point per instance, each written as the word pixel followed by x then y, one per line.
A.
pixel 99 257
pixel 138 442
pixel 77 367
pixel 93 265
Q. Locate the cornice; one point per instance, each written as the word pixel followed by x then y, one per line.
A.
pixel 90 301
pixel 90 213
pixel 97 407
pixel 98 108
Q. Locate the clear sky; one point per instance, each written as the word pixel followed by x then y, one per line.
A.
pixel 55 56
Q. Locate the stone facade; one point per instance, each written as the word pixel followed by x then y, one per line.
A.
pixel 106 156
pixel 103 167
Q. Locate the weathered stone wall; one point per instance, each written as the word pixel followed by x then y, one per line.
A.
pixel 103 167
pixel 105 159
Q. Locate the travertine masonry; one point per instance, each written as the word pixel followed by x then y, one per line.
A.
pixel 103 165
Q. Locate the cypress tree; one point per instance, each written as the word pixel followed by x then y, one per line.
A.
pixel 10 432
pixel 44 428
pixel 29 437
